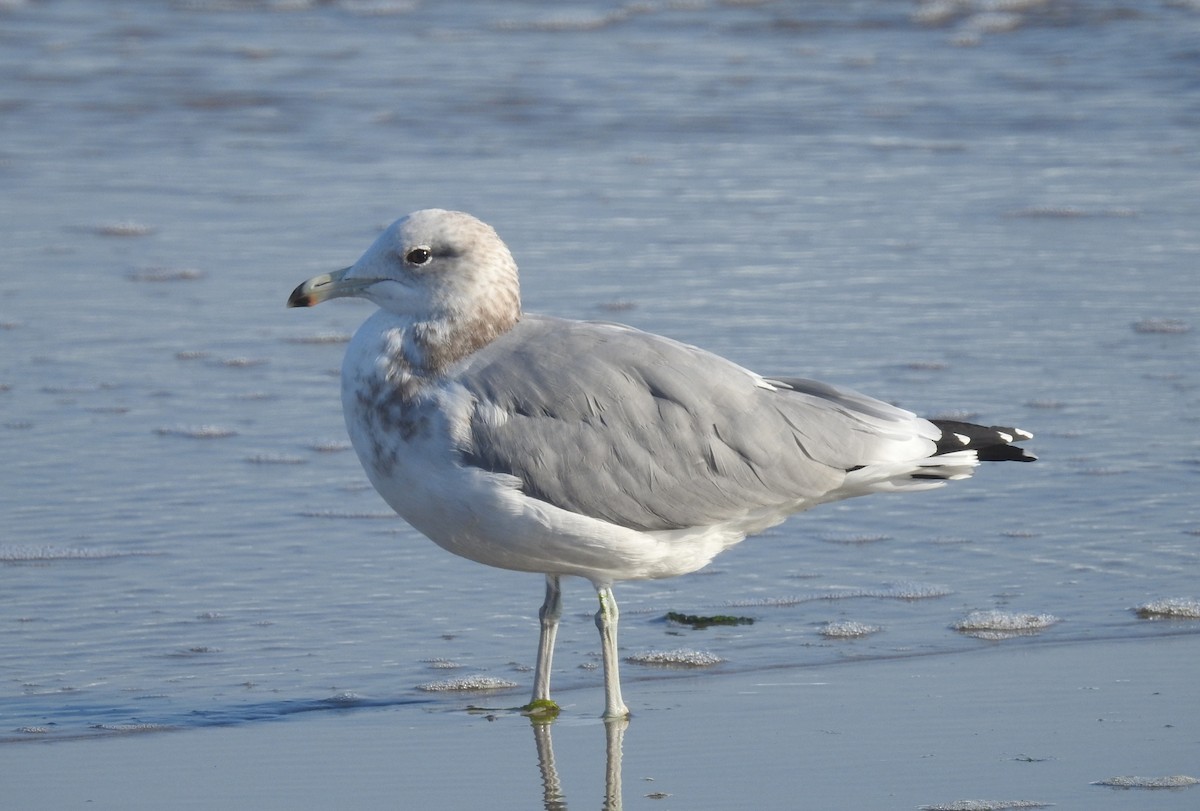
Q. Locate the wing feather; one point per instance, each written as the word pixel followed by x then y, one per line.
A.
pixel 652 434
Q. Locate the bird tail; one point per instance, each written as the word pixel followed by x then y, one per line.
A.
pixel 960 448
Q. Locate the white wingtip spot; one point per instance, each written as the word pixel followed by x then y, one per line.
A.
pixel 963 438
pixel 1023 434
pixel 1006 437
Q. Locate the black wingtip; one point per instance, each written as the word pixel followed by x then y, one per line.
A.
pixel 992 443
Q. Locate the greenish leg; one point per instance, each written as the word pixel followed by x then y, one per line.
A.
pixel 606 621
pixel 548 616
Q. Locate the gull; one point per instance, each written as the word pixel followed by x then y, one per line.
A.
pixel 592 449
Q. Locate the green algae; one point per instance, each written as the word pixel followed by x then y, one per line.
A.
pixel 697 622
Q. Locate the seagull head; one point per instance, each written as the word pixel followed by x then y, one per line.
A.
pixel 430 266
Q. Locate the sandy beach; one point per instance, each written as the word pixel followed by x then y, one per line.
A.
pixel 1040 725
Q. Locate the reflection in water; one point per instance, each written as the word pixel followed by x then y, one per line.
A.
pixel 552 795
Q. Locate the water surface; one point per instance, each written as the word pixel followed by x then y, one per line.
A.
pixel 992 217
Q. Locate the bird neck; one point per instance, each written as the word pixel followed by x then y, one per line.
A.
pixel 431 346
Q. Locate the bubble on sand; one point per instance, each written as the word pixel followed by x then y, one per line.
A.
pixel 912 591
pixel 1002 624
pixel 1171 608
pixel 28 554
pixel 1131 781
pixel 681 657
pixel 984 805
pixel 848 630
pixel 467 684
pixel 345 698
pixel 132 728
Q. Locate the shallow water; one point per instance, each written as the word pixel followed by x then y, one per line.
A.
pixel 1042 725
pixel 964 219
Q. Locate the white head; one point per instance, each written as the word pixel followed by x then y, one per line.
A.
pixel 445 272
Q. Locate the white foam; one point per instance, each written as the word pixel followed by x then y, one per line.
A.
pixel 848 630
pixel 1003 624
pixel 345 697
pixel 466 684
pixel 22 554
pixel 1131 781
pixel 680 657
pixel 1170 608
pixel 984 805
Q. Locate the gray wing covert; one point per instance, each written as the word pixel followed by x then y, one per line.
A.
pixel 645 432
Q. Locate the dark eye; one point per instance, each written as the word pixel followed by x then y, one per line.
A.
pixel 418 256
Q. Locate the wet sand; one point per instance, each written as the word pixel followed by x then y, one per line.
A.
pixel 1008 724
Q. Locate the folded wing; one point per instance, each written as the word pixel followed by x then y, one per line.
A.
pixel 652 434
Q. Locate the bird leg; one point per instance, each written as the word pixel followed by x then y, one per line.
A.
pixel 606 621
pixel 548 616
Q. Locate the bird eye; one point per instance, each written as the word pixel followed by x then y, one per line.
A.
pixel 418 256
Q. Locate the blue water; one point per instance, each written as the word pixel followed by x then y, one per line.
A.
pixel 984 216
